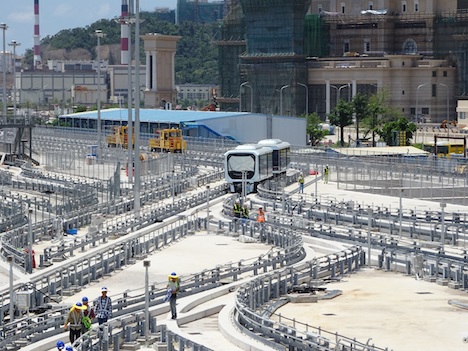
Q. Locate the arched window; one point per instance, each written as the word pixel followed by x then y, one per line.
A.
pixel 371 5
pixel 410 47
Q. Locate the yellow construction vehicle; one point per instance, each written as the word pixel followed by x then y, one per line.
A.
pixel 169 140
pixel 119 138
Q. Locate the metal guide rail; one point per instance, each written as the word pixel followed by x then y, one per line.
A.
pixel 19 237
pixel 253 297
pixel 287 250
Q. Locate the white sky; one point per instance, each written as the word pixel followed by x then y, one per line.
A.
pixel 55 15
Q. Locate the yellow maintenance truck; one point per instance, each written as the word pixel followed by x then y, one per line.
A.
pixel 119 137
pixel 168 140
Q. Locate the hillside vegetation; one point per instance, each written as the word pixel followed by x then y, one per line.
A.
pixel 196 57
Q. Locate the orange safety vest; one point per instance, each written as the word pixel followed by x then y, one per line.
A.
pixel 260 216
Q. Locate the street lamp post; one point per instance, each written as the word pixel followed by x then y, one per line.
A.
pixel 442 225
pixel 448 117
pixel 137 180
pixel 146 264
pixel 281 98
pixel 4 27
pixel 417 98
pixel 208 209
pixel 12 310
pixel 99 35
pixel 30 242
pixel 307 97
pixel 240 96
pixel 14 44
pixel 129 21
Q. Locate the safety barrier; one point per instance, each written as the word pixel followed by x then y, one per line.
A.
pixel 252 297
pixel 15 240
pixel 57 282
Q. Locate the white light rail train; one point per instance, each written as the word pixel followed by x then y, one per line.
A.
pixel 251 164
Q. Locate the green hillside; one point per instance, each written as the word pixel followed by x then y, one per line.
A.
pixel 196 57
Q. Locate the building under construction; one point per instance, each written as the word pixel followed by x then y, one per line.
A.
pixel 201 11
pixel 290 57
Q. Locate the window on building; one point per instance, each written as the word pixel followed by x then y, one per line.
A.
pixel 346 46
pixel 434 73
pixel 402 92
pixel 367 46
pixel 425 110
pixel 343 7
pixel 445 74
pixel 434 90
pixel 403 6
pixel 410 47
pixel 320 8
pixel 416 6
pixel 371 5
pixel 462 115
pixel 412 111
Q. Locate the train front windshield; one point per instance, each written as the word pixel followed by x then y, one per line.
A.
pixel 236 164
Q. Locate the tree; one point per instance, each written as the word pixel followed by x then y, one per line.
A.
pixel 361 110
pixel 342 116
pixel 392 130
pixel 376 116
pixel 315 132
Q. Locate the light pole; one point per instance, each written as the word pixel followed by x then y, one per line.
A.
pixel 347 85
pixel 4 27
pixel 307 97
pixel 99 34
pixel 12 310
pixel 208 209
pixel 129 21
pixel 146 264
pixel 14 44
pixel 30 242
pixel 173 187
pixel 240 96
pixel 448 117
pixel 417 98
pixel 369 229
pixel 281 98
pixel 442 225
pixel 137 183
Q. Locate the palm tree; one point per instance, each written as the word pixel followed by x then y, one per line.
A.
pixel 342 116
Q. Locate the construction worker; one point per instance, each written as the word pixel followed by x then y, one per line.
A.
pixel 245 213
pixel 103 307
pixel 74 320
pixel 326 173
pixel 173 284
pixel 237 209
pixel 260 215
pixel 69 348
pixel 60 345
pixel 300 180
pixel 88 315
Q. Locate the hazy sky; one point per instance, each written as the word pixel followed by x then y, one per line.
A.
pixel 56 15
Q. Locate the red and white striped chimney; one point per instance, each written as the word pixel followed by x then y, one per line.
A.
pixel 37 38
pixel 124 34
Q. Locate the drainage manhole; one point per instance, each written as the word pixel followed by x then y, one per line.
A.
pixel 329 314
pixel 194 333
pixel 423 292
